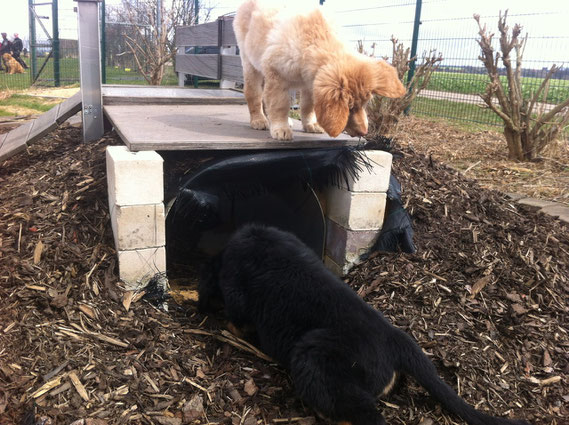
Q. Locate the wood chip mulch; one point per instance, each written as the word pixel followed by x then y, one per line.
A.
pixel 486 296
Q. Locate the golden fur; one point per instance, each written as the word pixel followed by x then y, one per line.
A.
pixel 301 51
pixel 12 66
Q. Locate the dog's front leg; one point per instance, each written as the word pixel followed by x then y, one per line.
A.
pixel 307 115
pixel 277 101
pixel 253 90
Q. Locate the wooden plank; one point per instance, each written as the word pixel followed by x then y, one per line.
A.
pixel 200 65
pixel 204 127
pixel 197 35
pixel 43 124
pixel 227 34
pixel 15 141
pixel 231 68
pixel 69 107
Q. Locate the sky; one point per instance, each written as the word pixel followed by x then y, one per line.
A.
pixel 446 24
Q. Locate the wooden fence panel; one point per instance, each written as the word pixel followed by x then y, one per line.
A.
pixel 198 35
pixel 231 68
pixel 200 65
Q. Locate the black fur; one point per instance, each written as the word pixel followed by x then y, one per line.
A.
pixel 340 352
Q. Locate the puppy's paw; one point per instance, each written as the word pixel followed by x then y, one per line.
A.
pixel 312 128
pixel 260 123
pixel 281 133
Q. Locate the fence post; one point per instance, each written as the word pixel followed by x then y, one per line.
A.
pixel 415 40
pixel 55 43
pixel 33 57
pixel 103 45
pixel 196 21
pixel 90 69
pixel 414 43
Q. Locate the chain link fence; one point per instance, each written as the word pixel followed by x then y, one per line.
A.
pixel 449 28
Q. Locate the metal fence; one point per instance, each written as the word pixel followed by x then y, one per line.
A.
pixel 444 25
pixel 449 27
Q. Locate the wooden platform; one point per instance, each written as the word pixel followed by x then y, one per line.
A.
pixel 204 127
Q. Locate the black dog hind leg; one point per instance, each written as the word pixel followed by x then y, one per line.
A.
pixel 324 384
pixel 210 297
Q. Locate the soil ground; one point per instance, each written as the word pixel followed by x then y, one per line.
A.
pixel 486 296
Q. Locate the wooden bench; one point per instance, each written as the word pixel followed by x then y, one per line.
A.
pixel 223 65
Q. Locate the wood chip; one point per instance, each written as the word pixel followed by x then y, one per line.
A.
pixel 37 252
pixel 111 340
pixel 55 382
pixel 78 386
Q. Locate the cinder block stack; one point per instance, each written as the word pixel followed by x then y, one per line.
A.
pixel 136 203
pixel 354 214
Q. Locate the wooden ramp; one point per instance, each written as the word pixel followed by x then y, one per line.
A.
pixel 18 139
pixel 204 127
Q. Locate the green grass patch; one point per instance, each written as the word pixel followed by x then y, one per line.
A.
pixel 476 83
pixel 470 116
pixel 16 103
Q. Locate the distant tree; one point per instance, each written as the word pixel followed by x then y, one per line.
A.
pixel 150 35
pixel 528 127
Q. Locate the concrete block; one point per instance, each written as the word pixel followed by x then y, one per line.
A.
pixel 138 266
pixel 134 178
pixel 346 247
pixel 334 267
pixel 138 226
pixel 377 178
pixel 355 210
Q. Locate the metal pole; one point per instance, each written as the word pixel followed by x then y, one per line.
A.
pixel 415 40
pixel 103 44
pixel 90 69
pixel 196 21
pixel 414 43
pixel 33 57
pixel 55 43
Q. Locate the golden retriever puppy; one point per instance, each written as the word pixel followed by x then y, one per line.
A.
pixel 292 50
pixel 12 66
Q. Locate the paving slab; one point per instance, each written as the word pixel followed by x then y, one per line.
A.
pixel 534 202
pixel 140 95
pixel 204 127
pixel 558 210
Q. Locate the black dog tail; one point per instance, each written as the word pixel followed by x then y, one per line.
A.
pixel 414 363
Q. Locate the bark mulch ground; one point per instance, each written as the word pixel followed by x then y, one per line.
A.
pixel 486 296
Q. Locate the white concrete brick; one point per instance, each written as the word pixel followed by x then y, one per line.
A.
pixel 376 179
pixel 134 178
pixel 138 226
pixel 138 266
pixel 355 210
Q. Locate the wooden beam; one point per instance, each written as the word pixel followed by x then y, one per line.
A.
pixel 198 35
pixel 200 65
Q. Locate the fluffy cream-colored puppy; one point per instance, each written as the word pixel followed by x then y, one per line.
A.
pixel 292 50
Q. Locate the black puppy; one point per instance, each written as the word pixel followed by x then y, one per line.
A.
pixel 339 351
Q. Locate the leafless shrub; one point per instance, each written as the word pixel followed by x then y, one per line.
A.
pixel 384 113
pixel 528 127
pixel 151 36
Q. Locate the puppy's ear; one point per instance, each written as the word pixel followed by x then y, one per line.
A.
pixel 331 100
pixel 387 82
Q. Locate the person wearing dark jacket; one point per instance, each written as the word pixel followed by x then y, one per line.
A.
pixel 17 47
pixel 5 47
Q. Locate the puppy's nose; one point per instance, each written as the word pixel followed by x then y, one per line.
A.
pixel 360 132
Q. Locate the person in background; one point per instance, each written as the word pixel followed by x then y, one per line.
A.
pixel 5 47
pixel 17 47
